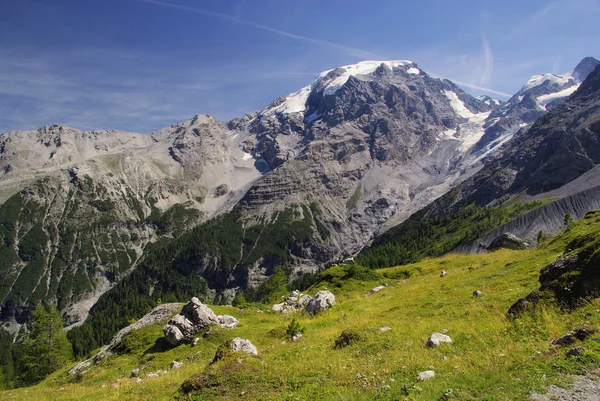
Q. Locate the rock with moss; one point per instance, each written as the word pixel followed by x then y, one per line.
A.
pixel 230 347
pixel 322 300
pixel 292 303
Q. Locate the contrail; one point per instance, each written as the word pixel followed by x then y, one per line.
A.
pixel 353 51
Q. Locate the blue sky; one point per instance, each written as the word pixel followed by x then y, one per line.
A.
pixel 140 65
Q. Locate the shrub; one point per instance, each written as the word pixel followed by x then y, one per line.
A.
pixel 293 328
pixel 348 337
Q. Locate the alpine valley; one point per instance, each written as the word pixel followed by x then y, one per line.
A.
pixel 376 163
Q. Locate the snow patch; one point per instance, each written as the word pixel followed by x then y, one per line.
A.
pixel 413 70
pixel 468 133
pixel 537 80
pixel 246 156
pixel 362 68
pixel 457 104
pixel 545 99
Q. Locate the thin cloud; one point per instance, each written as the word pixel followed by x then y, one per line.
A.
pixel 352 51
pixel 488 61
pixel 495 92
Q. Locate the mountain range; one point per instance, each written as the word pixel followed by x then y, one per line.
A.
pixel 329 172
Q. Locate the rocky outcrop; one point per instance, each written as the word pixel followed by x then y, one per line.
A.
pixel 508 241
pixel 194 317
pixel 322 300
pixel 569 280
pixel 294 302
pixel 157 315
pixel 548 219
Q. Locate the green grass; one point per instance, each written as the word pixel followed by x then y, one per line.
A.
pixel 492 357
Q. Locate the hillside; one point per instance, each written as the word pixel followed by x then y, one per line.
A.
pixel 492 357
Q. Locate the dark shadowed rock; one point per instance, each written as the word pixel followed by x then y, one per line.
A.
pixel 508 241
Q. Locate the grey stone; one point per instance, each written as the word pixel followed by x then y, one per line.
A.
pixel 322 300
pixel 426 375
pixel 436 339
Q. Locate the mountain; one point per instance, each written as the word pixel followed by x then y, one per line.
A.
pixel 552 167
pixel 80 207
pixel 539 94
pixel 308 180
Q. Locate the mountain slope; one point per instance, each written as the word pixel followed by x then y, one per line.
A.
pixel 539 94
pixel 556 151
pixel 81 207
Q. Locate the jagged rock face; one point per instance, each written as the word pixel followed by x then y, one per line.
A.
pixel 368 148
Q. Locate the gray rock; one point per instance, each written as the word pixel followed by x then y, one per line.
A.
pixel 385 329
pixel 239 344
pixel 567 339
pixel 194 317
pixel 508 241
pixel 176 365
pixel 436 339
pixel 135 372
pixel 444 273
pixel 296 337
pixel 322 300
pixel 377 289
pixel 228 322
pixel 577 351
pixel 426 375
pixel 476 294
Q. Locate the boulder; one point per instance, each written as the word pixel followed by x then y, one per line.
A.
pixel 238 344
pixel 228 322
pixel 426 375
pixel 158 314
pixel 194 317
pixel 444 273
pixel 377 289
pixel 508 241
pixel 577 351
pixel 476 294
pixel 321 301
pixel 176 365
pixel 436 339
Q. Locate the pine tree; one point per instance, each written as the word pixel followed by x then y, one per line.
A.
pixel 46 348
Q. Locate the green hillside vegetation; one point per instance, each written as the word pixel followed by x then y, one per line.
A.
pixel 171 269
pixel 424 235
pixel 493 357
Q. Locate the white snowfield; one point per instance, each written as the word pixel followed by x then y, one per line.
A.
pixel 296 102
